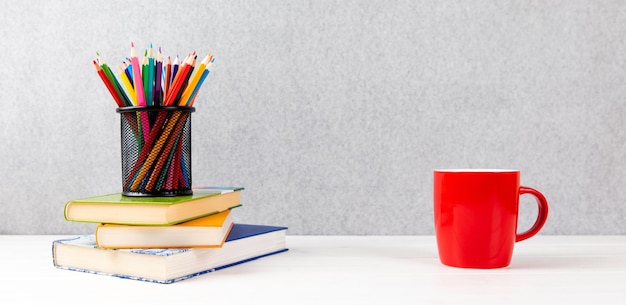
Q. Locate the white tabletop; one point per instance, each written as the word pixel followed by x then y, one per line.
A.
pixel 341 270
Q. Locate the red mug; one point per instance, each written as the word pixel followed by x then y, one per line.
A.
pixel 476 214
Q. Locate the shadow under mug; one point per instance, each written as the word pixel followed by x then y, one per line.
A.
pixel 476 212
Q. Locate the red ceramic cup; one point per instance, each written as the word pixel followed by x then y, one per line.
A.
pixel 476 214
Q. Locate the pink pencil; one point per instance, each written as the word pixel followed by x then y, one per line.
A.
pixel 139 92
pixel 141 99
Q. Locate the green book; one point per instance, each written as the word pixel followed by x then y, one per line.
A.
pixel 119 209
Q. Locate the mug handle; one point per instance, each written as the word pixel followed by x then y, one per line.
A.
pixel 542 205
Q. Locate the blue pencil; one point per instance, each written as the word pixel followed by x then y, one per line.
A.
pixel 206 72
pixel 174 69
pixel 128 70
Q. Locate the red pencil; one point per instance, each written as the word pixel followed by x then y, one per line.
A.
pixel 185 81
pixel 179 80
pixel 168 75
pixel 107 83
pixel 176 69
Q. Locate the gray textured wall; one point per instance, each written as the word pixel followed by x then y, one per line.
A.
pixel 332 114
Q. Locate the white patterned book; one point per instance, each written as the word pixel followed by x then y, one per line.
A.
pixel 168 265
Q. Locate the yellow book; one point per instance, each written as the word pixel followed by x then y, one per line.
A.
pixel 205 232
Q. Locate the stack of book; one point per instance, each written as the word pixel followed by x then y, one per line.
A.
pixel 163 239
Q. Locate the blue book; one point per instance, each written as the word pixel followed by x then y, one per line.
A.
pixel 244 243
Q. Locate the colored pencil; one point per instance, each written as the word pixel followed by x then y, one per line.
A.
pixel 170 141
pixel 179 80
pixel 176 72
pixel 158 71
pixel 205 74
pixel 147 148
pixel 139 90
pixel 144 78
pixel 128 85
pixel 185 81
pixel 175 67
pixel 154 150
pixel 155 82
pixel 193 82
pixel 167 77
pixel 138 81
pixel 150 78
pixel 116 85
pixel 108 84
pixel 129 73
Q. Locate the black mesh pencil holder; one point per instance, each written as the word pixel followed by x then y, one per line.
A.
pixel 156 150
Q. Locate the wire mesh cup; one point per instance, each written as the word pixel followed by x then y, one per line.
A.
pixel 156 150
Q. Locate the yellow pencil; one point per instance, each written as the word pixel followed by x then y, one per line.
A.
pixel 194 80
pixel 129 87
pixel 194 94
